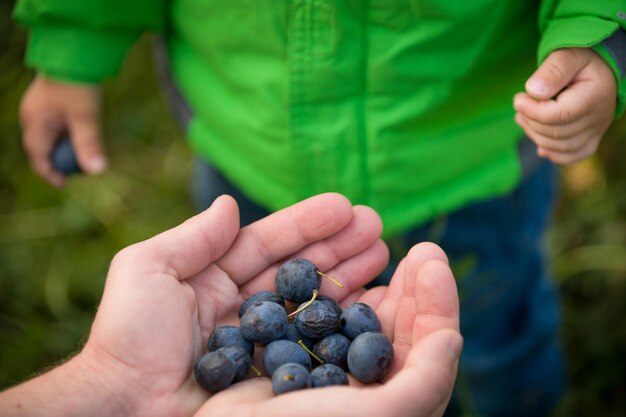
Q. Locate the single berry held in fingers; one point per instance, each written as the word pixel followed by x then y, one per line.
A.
pixel 290 377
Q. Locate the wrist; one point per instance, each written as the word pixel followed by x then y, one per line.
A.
pixel 78 387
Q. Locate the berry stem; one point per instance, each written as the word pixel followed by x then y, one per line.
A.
pixel 308 303
pixel 333 280
pixel 301 343
pixel 256 371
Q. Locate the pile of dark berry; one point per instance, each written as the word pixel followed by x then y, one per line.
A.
pixel 339 341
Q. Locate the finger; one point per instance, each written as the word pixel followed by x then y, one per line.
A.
pixel 352 271
pixel 285 232
pixel 566 138
pixel 313 229
pixel 405 315
pixel 426 381
pixel 568 158
pixel 551 112
pixel 555 73
pixel 189 248
pixel 387 309
pixel 436 298
pixel 85 135
pixel 38 139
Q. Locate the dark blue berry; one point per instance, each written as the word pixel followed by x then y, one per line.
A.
pixel 225 336
pixel 369 357
pixel 296 279
pixel 214 371
pixel 359 318
pixel 327 375
pixel 280 352
pixel 294 335
pixel 258 297
pixel 317 320
pixel 240 359
pixel 264 322
pixel 63 157
pixel 333 349
pixel 330 302
pixel 290 377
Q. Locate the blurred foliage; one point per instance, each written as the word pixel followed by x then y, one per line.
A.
pixel 55 246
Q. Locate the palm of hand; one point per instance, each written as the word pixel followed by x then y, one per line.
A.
pixel 157 312
pixel 419 313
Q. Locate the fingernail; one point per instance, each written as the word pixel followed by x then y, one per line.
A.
pixel 537 85
pixel 97 165
pixel 455 345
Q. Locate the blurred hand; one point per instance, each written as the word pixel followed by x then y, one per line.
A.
pixel 568 105
pixel 50 109
pixel 419 312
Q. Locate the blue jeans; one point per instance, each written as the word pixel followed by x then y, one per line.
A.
pixel 511 363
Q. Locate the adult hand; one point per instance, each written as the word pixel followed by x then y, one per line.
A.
pixel 568 105
pixel 419 312
pixel 50 109
pixel 164 296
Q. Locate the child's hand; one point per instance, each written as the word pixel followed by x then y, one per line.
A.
pixel 50 109
pixel 567 127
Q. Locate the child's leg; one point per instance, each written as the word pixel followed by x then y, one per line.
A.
pixel 511 363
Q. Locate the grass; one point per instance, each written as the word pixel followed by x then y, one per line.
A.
pixel 55 246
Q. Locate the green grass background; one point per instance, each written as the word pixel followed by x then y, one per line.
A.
pixel 55 246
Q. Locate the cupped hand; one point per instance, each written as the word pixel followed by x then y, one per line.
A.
pixel 568 105
pixel 50 109
pixel 419 312
pixel 164 296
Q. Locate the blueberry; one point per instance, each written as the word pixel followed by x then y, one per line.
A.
pixel 214 371
pixel 330 302
pixel 359 318
pixel 369 357
pixel 240 359
pixel 333 349
pixel 317 320
pixel 64 158
pixel 280 352
pixel 224 336
pixel 290 377
pixel 294 335
pixel 264 322
pixel 296 279
pixel 327 375
pixel 258 297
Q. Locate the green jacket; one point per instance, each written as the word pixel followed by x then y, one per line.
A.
pixel 402 105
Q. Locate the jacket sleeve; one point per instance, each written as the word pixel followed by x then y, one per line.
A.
pixel 85 40
pixel 598 24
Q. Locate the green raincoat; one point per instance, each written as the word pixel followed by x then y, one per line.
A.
pixel 405 106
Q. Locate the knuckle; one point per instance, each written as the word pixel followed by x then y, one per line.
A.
pixel 554 71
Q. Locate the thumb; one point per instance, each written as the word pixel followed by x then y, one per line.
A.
pixel 555 73
pixel 83 123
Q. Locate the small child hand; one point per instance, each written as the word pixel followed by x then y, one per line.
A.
pixel 51 109
pixel 568 105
